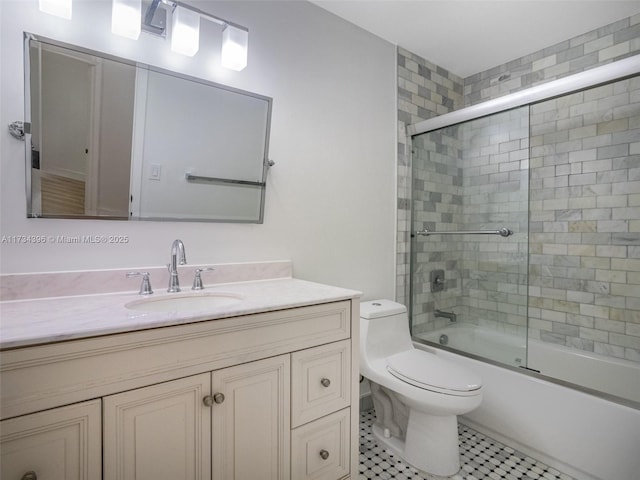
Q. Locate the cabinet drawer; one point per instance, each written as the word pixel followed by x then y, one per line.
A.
pixel 320 381
pixel 320 449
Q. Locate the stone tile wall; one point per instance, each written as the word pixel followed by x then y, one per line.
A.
pixel 601 46
pixel 472 177
pixel 425 90
pixel 495 194
pixel 585 220
pixel 437 204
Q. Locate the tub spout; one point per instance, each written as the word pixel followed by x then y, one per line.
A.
pixel 450 315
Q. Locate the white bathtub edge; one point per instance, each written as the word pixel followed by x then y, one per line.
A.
pixel 579 434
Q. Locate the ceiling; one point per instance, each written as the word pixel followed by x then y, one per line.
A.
pixel 470 36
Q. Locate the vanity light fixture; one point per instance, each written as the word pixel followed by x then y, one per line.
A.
pixel 185 30
pixel 59 8
pixel 125 18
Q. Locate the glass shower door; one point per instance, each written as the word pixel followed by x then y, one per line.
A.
pixel 469 282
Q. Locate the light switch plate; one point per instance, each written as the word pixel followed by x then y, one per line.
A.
pixel 155 171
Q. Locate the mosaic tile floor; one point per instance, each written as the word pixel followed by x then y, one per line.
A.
pixel 482 458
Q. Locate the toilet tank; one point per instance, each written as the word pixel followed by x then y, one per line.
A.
pixel 384 328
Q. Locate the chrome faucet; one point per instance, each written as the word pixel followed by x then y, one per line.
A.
pixel 177 248
pixel 450 315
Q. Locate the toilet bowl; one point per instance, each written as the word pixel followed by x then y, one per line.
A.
pixel 416 394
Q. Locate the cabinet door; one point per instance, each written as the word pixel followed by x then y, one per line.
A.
pixel 161 431
pixel 62 443
pixel 251 425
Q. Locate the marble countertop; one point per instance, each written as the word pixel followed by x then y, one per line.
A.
pixel 47 320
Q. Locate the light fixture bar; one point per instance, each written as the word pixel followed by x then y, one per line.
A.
pixel 185 30
pixel 154 20
pixel 212 18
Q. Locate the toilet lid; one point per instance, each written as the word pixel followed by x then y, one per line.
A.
pixel 426 370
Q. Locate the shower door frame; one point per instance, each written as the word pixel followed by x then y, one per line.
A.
pixel 572 83
pixel 594 77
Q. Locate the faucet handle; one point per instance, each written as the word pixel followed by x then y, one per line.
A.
pixel 145 286
pixel 197 279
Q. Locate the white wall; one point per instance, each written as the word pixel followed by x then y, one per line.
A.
pixel 330 204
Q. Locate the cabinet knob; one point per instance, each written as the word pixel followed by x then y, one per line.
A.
pixel 30 475
pixel 324 454
pixel 209 400
pixel 325 382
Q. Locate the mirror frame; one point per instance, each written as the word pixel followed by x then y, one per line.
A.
pixel 266 162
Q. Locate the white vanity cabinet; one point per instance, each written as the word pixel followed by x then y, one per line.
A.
pixel 175 429
pixel 61 443
pixel 263 396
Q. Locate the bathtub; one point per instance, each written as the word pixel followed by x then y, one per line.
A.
pixel 612 376
pixel 482 342
pixel 583 435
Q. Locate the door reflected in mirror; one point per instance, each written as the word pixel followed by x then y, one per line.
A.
pixel 115 139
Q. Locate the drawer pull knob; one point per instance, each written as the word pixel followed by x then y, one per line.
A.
pixel 208 400
pixel 218 397
pixel 30 475
pixel 325 382
pixel 324 454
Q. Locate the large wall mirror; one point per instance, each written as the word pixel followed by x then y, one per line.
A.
pixel 114 139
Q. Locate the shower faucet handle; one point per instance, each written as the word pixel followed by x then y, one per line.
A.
pixel 438 281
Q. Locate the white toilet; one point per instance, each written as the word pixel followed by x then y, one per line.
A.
pixel 416 394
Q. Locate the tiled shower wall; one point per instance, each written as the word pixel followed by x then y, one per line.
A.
pixel 585 220
pixel 422 85
pixel 438 201
pixel 472 176
pixel 495 195
pixel 424 91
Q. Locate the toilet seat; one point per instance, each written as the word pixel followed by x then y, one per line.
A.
pixel 427 371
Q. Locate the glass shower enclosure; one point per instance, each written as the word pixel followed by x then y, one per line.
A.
pixel 525 235
pixel 470 236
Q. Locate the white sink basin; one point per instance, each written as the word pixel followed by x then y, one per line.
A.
pixel 194 302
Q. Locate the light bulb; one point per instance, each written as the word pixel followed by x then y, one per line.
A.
pixel 235 42
pixel 185 31
pixel 59 8
pixel 126 18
